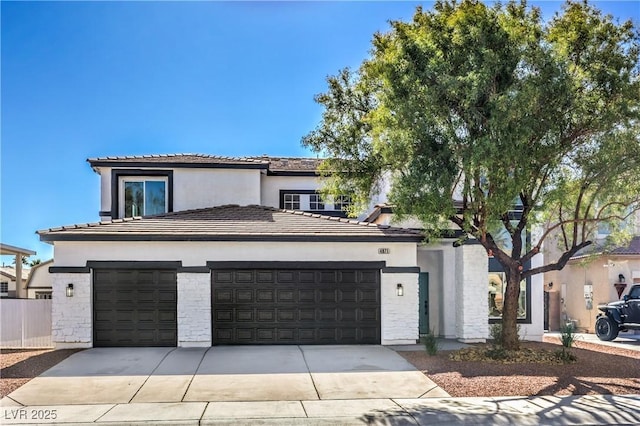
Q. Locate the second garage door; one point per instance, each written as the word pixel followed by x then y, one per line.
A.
pixel 291 306
pixel 134 307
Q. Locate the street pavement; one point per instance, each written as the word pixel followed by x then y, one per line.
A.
pixel 297 385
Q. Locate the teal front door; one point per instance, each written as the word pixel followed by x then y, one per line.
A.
pixel 423 283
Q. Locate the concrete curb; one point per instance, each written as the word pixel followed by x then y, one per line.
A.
pixel 548 410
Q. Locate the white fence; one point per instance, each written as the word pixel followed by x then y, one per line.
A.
pixel 25 323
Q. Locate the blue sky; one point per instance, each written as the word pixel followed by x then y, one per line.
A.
pixel 91 79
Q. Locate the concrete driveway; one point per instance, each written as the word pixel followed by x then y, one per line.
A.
pixel 227 373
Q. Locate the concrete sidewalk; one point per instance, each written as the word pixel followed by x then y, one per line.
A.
pixel 548 410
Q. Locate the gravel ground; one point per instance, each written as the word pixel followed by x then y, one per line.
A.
pixel 19 366
pixel 599 370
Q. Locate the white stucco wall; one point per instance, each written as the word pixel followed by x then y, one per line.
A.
pixel 271 185
pixel 199 188
pixel 197 253
pixel 194 310
pixel 71 317
pixel 195 188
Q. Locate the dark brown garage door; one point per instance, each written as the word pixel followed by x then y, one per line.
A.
pixel 134 308
pixel 296 306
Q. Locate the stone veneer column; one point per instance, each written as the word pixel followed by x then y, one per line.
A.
pixel 472 315
pixel 194 309
pixel 71 317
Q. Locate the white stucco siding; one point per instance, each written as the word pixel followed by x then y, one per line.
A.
pixel 194 310
pixel 272 185
pixel 71 317
pixel 197 253
pixel 195 188
pixel 105 189
pixel 200 188
pixel 399 314
pixel 535 330
pixel 430 260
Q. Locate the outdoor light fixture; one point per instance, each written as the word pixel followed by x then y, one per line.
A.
pixel 621 278
pixel 399 290
pixel 69 290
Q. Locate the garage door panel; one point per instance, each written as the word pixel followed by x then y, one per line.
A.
pixel 244 315
pixel 265 296
pixel 223 295
pixel 297 307
pixel 135 307
pixel 368 277
pixel 223 315
pixel 286 315
pixel 265 315
pixel 307 296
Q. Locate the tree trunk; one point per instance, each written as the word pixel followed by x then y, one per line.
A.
pixel 510 339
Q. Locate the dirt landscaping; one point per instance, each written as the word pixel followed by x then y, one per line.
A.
pixel 599 370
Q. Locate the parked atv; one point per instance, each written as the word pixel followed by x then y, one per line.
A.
pixel 619 316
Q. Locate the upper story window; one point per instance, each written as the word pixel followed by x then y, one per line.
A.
pixel 292 201
pixel 315 202
pixel 143 196
pixel 310 200
pixel 342 202
pixel 141 192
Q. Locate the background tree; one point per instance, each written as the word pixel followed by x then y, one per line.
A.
pixel 473 112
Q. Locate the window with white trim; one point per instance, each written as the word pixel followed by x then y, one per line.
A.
pixel 292 201
pixel 4 288
pixel 143 195
pixel 342 202
pixel 316 202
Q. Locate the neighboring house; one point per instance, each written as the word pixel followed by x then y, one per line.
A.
pixel 594 276
pixel 8 281
pixel 19 254
pixel 39 282
pixel 245 251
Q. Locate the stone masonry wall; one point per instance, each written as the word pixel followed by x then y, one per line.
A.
pixel 71 317
pixel 400 314
pixel 471 293
pixel 194 310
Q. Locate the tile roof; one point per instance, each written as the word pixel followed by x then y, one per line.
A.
pixel 632 248
pixel 292 163
pixel 10 272
pixel 600 248
pixel 231 223
pixel 298 164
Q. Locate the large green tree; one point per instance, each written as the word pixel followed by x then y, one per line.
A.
pixel 473 112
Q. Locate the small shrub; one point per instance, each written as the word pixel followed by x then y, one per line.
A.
pixel 567 338
pixel 497 353
pixel 495 333
pixel 431 343
pixel 565 356
pixel 567 335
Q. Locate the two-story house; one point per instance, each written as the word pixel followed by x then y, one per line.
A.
pixel 199 250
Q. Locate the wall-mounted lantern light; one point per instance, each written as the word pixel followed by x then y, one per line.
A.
pixel 69 290
pixel 399 290
pixel 621 278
